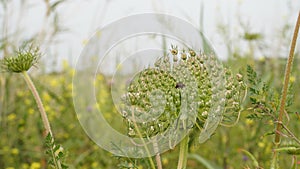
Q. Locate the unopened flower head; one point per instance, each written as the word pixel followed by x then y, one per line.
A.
pixel 156 94
pixel 23 60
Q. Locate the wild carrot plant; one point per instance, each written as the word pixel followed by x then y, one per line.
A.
pixel 183 91
pixel 268 106
pixel 25 59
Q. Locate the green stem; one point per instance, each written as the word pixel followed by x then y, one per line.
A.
pixel 144 143
pixel 43 113
pixel 183 152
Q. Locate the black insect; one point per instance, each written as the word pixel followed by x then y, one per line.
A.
pixel 179 85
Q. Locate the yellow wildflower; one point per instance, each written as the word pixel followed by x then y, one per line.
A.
pixel 165 161
pixel 15 151
pixel 261 144
pixel 249 122
pixel 292 79
pixel 25 166
pixel 31 111
pixel 27 102
pixel 95 164
pixel 53 83
pixel 46 97
pixel 35 165
pixel 11 117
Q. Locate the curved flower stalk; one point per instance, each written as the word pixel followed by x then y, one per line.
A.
pixel 21 63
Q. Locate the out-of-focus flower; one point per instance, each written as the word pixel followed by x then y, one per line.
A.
pixel 10 168
pixel 261 144
pixel 11 117
pixel 292 79
pixel 35 165
pixel 15 151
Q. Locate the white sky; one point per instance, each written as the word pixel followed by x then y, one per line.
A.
pixel 83 17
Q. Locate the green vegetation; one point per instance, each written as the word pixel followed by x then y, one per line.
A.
pixel 259 127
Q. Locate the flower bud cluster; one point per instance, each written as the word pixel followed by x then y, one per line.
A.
pixel 23 61
pixel 183 87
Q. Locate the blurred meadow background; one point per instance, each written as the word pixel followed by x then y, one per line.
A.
pixel 243 32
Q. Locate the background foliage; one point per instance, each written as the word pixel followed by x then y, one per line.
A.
pixel 21 130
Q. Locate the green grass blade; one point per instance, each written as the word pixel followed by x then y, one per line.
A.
pixel 208 164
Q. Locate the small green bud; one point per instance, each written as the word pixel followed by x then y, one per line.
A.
pixel 183 55
pixel 192 52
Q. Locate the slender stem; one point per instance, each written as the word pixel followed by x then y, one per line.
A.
pixel 144 143
pixel 284 93
pixel 39 103
pixel 183 152
pixel 286 80
pixel 43 114
pixel 290 133
pixel 157 156
pixel 2 93
pixel 158 161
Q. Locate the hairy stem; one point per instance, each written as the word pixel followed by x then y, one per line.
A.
pixel 39 103
pixel 43 113
pixel 286 80
pixel 183 153
pixel 284 93
pixel 158 161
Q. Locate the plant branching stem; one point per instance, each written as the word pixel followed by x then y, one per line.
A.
pixel 290 133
